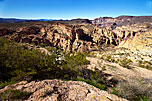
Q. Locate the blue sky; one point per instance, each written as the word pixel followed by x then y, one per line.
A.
pixel 69 9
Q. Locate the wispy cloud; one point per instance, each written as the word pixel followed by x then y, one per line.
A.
pixel 149 4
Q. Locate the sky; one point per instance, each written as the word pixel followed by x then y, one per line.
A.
pixel 70 9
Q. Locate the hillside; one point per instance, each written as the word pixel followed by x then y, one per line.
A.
pixel 121 21
pixel 64 58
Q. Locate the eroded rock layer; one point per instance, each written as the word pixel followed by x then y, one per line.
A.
pixel 78 37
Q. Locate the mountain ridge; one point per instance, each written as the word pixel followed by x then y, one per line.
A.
pixel 19 20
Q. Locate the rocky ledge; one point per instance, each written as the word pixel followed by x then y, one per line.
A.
pixel 54 90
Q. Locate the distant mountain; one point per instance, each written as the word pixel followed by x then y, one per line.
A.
pixel 14 20
pixel 44 19
pixel 102 21
pixel 121 20
pixel 79 20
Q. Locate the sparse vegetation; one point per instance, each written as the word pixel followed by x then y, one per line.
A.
pixel 145 64
pixel 115 91
pixel 65 66
pixel 14 95
pixel 59 65
pixel 125 63
pixel 135 90
pixel 109 58
pixel 5 83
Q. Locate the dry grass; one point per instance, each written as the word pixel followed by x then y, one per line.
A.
pixel 135 89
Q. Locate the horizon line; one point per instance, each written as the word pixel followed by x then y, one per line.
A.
pixel 66 18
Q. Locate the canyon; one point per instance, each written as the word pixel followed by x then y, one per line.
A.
pixel 120 47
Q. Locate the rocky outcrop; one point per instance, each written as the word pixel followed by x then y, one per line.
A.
pixel 54 90
pixel 140 44
pixel 76 38
pixel 5 31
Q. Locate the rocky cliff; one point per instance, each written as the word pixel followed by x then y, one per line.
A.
pixel 79 37
pixel 82 37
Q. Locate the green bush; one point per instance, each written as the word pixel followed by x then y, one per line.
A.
pixel 109 58
pixel 3 84
pixel 14 95
pixel 145 64
pixel 140 98
pixel 17 63
pixel 115 91
pixel 125 63
pixel 95 78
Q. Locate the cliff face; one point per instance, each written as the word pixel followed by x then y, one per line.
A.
pixel 74 37
pixel 82 38
pixel 141 44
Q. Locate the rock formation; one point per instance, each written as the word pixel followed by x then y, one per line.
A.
pixel 111 40
pixel 70 37
pixel 54 90
pixel 121 21
pixel 66 37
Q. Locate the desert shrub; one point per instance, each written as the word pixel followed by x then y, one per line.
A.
pixel 148 67
pixel 117 61
pixel 115 91
pixel 140 98
pixel 76 63
pixel 42 45
pixel 109 58
pixel 94 83
pixel 135 90
pixel 122 62
pixel 95 78
pixel 51 49
pixel 145 64
pixel 14 95
pixel 101 86
pixel 103 68
pixel 73 60
pixel 140 63
pixel 5 83
pixel 91 54
pixel 125 63
pixel 17 63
